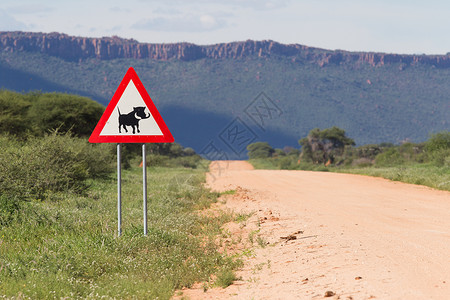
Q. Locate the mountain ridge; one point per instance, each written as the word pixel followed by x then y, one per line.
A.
pixel 74 48
pixel 205 91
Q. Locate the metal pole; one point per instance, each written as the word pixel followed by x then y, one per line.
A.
pixel 119 194
pixel 144 183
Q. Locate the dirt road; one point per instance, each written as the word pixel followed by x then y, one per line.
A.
pixel 337 236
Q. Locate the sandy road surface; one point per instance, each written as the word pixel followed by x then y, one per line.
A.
pixel 357 237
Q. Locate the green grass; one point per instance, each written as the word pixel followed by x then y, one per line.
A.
pixel 228 192
pixel 69 248
pixel 225 278
pixel 428 174
pixel 263 164
pixel 285 163
pixel 422 174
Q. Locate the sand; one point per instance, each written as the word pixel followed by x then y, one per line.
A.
pixel 335 236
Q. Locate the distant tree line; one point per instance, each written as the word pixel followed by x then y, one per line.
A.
pixel 331 147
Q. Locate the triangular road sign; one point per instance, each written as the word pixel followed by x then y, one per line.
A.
pixel 131 116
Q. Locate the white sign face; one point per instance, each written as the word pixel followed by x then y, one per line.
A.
pixel 131 117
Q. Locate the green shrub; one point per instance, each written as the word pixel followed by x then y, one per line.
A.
pixel 13 113
pixel 40 113
pixel 325 146
pixel 263 163
pixel 368 151
pixel 225 278
pixel 9 208
pixel 54 163
pixel 438 148
pixel 100 158
pixel 185 161
pixel 440 157
pixel 64 112
pixel 160 154
pixel 278 153
pixel 438 141
pixel 287 163
pixel 259 150
pixel 362 162
pixel 155 160
pixel 411 152
pixel 390 157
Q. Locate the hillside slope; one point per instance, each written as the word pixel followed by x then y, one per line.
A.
pixel 200 90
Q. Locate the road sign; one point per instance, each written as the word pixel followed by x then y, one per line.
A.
pixel 131 116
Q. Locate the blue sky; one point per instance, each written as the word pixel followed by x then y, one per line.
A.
pixel 393 26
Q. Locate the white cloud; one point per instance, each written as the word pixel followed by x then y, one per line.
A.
pixel 185 23
pixel 117 9
pixel 254 4
pixel 208 21
pixel 9 23
pixel 29 9
pixel 116 28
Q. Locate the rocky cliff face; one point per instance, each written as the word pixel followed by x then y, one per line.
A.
pixel 79 48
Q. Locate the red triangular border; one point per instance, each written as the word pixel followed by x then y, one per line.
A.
pixel 97 138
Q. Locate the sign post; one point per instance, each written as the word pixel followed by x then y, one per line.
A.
pixel 119 193
pixel 144 186
pixel 131 117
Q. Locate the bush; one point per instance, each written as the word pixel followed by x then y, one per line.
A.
pixel 100 158
pixel 368 151
pixel 325 146
pixel 225 278
pixel 279 153
pixel 64 112
pixel 438 148
pixel 40 166
pixel 167 161
pixel 440 157
pixel 40 113
pixel 287 163
pixel 9 208
pixel 362 162
pixel 260 150
pixel 13 113
pixel 411 152
pixel 438 141
pixel 390 157
pixel 185 161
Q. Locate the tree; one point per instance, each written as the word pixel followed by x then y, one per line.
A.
pixel 438 148
pixel 65 112
pixel 260 150
pixel 322 146
pixel 438 141
pixel 13 113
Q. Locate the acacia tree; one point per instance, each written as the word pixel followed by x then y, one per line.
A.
pixel 64 112
pixel 322 146
pixel 260 150
pixel 13 113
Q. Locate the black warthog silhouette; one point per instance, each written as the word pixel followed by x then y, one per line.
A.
pixel 132 118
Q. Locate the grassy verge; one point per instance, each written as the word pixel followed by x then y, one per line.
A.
pixel 263 164
pixel 285 163
pixel 69 248
pixel 423 174
pixel 428 174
